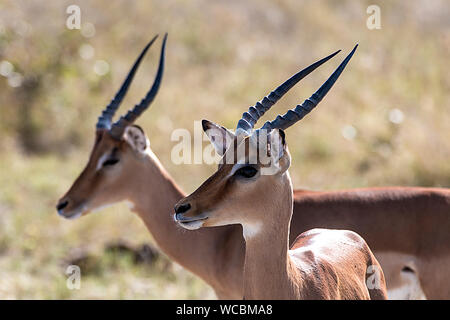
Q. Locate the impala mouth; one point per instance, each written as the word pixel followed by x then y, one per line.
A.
pixel 72 214
pixel 188 222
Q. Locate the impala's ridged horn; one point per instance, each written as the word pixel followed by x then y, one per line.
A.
pixel 119 126
pixel 104 121
pixel 249 118
pixel 296 114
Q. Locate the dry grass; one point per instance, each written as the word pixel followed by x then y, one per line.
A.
pixel 221 58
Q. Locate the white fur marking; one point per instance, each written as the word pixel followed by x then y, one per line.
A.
pixel 75 216
pixel 102 207
pixel 193 225
pixel 77 213
pixel 101 160
pixel 251 229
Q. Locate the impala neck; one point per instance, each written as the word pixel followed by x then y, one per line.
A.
pixel 153 196
pixel 267 267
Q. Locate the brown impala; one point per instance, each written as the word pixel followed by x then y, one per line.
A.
pixel 252 187
pixel 122 167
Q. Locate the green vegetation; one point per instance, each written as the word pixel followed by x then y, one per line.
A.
pixel 386 121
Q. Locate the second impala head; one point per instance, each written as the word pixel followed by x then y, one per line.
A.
pixel 117 154
pixel 111 164
pixel 242 190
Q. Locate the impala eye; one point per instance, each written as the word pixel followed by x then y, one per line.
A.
pixel 246 172
pixel 110 162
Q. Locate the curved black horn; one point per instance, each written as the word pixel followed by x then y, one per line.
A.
pixel 104 121
pixel 119 126
pixel 249 118
pixel 296 114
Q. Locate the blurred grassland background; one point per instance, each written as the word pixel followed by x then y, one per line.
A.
pixel 385 122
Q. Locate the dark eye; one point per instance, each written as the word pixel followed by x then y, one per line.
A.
pixel 110 162
pixel 246 172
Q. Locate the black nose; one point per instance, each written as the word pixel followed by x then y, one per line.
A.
pixel 182 208
pixel 62 205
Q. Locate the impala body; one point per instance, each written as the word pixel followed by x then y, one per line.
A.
pixel 123 168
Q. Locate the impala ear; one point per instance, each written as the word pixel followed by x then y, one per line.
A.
pixel 136 138
pixel 279 154
pixel 220 137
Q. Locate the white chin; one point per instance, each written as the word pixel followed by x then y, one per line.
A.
pixel 75 216
pixel 192 225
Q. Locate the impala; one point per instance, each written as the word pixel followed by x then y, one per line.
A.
pixel 323 264
pixel 122 167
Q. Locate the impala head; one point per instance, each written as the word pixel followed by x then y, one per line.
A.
pixel 252 179
pixel 118 151
pixel 252 169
